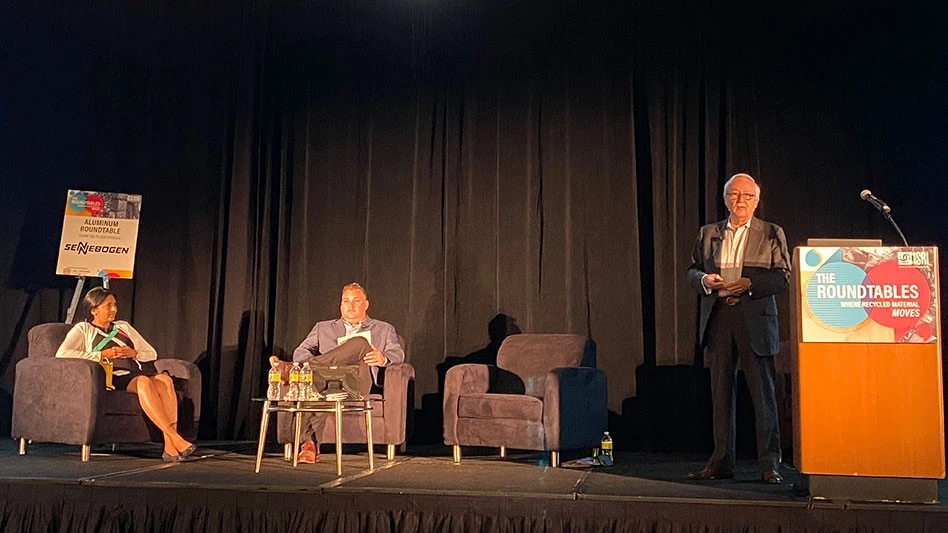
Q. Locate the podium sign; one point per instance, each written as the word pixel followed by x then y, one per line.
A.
pixel 869 294
pixel 100 231
pixel 868 375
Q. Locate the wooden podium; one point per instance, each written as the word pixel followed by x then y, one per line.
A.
pixel 866 348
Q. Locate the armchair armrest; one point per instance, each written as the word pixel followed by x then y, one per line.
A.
pixel 461 379
pixel 57 400
pixel 575 412
pixel 189 376
pixel 179 368
pixel 395 396
pixel 468 379
pixel 397 377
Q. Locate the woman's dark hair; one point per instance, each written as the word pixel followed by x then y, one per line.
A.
pixel 93 298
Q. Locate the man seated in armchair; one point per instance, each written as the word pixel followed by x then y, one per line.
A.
pixel 354 338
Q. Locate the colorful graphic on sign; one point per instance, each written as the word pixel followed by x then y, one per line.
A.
pixel 100 232
pixel 869 294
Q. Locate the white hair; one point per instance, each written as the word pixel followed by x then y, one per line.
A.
pixel 729 183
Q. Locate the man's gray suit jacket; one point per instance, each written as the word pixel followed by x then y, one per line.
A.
pixel 324 336
pixel 766 264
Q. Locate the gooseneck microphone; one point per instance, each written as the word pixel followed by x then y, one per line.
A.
pixel 876 202
pixel 883 208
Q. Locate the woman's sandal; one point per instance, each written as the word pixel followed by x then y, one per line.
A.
pixel 188 451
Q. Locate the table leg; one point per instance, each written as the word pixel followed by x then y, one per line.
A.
pixel 264 418
pixel 298 419
pixel 368 434
pixel 338 438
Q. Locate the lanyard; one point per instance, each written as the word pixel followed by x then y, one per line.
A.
pixel 107 338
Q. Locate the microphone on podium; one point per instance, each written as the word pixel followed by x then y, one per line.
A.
pixel 876 202
pixel 883 208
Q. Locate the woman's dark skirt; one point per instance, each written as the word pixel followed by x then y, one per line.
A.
pixel 121 382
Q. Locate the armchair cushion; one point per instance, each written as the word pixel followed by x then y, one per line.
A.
pixel 121 403
pixel 517 434
pixel 493 406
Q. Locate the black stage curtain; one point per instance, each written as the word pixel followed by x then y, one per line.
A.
pixel 550 161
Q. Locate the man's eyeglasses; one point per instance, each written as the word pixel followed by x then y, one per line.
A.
pixel 747 196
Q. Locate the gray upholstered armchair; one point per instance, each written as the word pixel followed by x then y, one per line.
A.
pixel 390 412
pixel 65 400
pixel 544 394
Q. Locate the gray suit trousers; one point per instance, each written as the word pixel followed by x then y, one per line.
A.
pixel 728 343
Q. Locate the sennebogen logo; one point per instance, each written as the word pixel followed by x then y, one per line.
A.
pixel 83 248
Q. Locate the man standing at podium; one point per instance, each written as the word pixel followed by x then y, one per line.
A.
pixel 738 265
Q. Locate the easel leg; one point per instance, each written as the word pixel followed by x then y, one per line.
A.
pixel 71 312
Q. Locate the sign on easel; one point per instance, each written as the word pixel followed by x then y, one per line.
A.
pixel 100 232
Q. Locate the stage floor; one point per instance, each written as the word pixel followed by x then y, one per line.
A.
pixel 423 489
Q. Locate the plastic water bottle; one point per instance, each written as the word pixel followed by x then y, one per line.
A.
pixel 306 382
pixel 605 450
pixel 293 393
pixel 273 380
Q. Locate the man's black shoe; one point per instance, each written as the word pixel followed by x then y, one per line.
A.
pixel 771 477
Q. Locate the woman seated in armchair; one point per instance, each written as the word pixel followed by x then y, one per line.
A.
pixel 101 337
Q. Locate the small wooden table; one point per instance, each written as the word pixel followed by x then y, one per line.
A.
pixel 316 406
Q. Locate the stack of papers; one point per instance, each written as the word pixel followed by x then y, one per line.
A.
pixel 337 396
pixel 585 462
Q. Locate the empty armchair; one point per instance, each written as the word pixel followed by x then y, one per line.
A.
pixel 65 400
pixel 544 394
